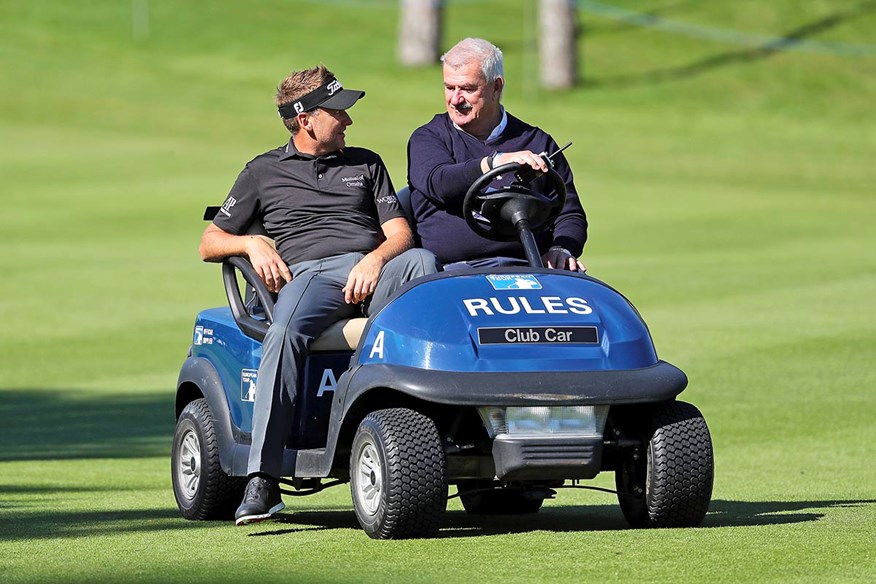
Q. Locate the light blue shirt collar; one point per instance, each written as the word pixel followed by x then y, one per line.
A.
pixel 497 131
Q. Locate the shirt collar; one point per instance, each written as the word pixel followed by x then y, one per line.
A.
pixel 497 131
pixel 290 151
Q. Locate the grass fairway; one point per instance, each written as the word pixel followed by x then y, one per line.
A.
pixel 731 196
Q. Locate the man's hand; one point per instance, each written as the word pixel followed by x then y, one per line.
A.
pixel 267 263
pixel 217 244
pixel 562 259
pixel 363 278
pixel 524 157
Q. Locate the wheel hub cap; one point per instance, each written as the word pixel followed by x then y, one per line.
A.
pixel 369 483
pixel 189 470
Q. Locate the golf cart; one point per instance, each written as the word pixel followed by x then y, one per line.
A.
pixel 506 383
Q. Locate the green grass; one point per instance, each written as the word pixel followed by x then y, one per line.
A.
pixel 730 194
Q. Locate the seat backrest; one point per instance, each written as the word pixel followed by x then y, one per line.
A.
pixel 404 198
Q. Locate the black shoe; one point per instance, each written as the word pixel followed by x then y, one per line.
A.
pixel 260 501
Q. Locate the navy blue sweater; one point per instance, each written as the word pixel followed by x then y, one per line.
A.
pixel 443 162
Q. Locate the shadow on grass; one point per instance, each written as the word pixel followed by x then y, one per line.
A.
pixel 42 424
pixel 53 524
pixel 47 490
pixel 656 13
pixel 752 513
pixel 782 43
pixel 587 518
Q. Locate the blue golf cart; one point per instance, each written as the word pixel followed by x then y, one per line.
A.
pixel 505 383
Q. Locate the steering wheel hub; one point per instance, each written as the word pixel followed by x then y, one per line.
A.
pixel 499 213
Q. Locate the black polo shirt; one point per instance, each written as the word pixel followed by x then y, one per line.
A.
pixel 314 207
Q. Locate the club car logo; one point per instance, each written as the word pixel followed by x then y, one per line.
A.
pixel 248 378
pixel 513 282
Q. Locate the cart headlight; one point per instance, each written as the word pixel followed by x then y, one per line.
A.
pixel 545 420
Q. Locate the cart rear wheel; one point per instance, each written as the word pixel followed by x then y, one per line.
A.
pixel 398 475
pixel 669 483
pixel 201 489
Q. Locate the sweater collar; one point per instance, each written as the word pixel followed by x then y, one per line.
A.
pixel 496 134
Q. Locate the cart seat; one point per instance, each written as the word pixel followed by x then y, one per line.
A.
pixel 341 336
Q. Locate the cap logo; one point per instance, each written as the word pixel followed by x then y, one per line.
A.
pixel 314 99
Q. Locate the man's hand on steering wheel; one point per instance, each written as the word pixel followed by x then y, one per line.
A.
pixel 524 157
pixel 562 259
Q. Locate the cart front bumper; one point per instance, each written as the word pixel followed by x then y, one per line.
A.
pixel 549 457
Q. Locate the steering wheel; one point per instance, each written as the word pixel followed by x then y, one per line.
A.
pixel 503 208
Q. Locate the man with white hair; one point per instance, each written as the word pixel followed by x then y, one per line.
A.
pixel 474 136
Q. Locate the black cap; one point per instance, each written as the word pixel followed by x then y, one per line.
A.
pixel 332 95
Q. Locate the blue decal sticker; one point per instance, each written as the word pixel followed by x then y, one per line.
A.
pixel 514 282
pixel 248 379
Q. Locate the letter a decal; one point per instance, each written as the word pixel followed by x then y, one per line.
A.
pixel 328 382
pixel 377 349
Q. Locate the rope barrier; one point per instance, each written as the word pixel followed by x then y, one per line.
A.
pixel 723 35
pixel 680 28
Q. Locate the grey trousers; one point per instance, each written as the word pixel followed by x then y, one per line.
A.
pixel 490 262
pixel 305 307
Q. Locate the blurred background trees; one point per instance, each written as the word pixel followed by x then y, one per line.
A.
pixel 420 26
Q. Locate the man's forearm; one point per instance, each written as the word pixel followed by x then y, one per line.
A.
pixel 216 244
pixel 394 246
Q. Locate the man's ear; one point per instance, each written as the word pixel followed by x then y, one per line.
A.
pixel 304 120
pixel 498 86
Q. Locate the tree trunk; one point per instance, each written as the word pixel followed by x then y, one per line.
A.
pixel 419 32
pixel 558 49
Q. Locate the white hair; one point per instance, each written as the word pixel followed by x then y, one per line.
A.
pixel 484 52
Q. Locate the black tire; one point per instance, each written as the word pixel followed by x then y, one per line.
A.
pixel 478 500
pixel 670 483
pixel 202 490
pixel 398 475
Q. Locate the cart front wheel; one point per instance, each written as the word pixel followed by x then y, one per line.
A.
pixel 669 482
pixel 201 488
pixel 398 475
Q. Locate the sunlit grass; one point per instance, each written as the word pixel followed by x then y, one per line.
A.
pixel 733 204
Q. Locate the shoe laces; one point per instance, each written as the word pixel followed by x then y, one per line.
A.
pixel 256 486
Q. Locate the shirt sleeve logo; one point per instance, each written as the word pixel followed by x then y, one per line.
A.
pixel 228 205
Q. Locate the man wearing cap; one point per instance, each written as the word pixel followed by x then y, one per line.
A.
pixel 341 241
pixel 475 135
